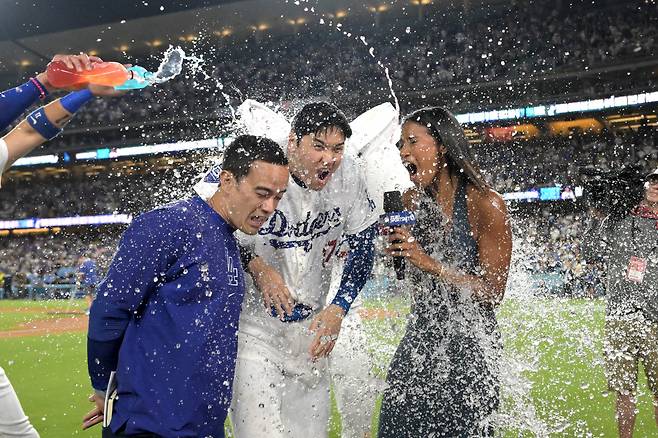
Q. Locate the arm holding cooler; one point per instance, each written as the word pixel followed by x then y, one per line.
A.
pixel 41 125
pixel 16 100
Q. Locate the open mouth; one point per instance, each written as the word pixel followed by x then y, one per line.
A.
pixel 257 221
pixel 323 174
pixel 411 168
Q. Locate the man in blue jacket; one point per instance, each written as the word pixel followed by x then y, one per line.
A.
pixel 166 316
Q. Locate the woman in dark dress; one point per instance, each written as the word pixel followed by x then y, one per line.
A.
pixel 443 380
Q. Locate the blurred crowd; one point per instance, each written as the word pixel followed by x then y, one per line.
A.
pixel 547 241
pixel 549 254
pixel 529 39
pixel 48 265
pixel 512 42
pixel 82 195
pixel 510 166
pixel 546 161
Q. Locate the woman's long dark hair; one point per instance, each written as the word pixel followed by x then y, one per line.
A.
pixel 447 131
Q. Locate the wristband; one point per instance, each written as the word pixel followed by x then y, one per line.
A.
pixel 42 90
pixel 343 302
pixel 38 120
pixel 74 101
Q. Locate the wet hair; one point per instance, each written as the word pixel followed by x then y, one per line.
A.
pixel 448 132
pixel 320 116
pixel 245 149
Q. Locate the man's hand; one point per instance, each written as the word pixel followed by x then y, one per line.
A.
pixel 271 284
pixel 104 91
pixel 326 326
pixel 79 62
pixel 94 416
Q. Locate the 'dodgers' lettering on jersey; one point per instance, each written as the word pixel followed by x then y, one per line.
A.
pixel 303 232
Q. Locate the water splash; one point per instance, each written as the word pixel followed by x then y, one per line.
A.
pixel 172 65
pixel 328 21
pixel 371 51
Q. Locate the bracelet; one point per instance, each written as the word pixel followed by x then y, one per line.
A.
pixel 42 90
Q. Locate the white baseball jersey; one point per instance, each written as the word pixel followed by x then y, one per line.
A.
pixel 301 238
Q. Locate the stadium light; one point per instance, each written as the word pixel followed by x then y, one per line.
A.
pixel 31 231
pixel 421 7
pixel 297 21
pixel 39 159
pixel 555 109
pixel 227 31
pixel 72 221
pixel 380 8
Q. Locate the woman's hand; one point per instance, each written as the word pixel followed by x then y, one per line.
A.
pixel 403 244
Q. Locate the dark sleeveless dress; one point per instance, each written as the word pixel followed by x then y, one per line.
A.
pixel 442 381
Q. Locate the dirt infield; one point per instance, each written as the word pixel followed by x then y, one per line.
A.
pixel 67 322
pixel 50 326
pixel 373 313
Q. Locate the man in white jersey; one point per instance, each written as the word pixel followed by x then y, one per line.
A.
pixel 279 387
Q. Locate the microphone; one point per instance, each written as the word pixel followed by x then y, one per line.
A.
pixel 396 216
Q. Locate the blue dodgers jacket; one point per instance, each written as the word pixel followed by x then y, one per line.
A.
pixel 166 319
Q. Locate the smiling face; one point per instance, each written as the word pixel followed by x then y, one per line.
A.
pixel 246 204
pixel 420 153
pixel 315 157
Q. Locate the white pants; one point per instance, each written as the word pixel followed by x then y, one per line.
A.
pixel 277 390
pixel 355 386
pixel 13 421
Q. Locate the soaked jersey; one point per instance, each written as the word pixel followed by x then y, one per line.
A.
pixel 301 239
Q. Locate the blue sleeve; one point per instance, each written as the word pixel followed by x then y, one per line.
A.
pixel 15 101
pixel 145 251
pixel 357 267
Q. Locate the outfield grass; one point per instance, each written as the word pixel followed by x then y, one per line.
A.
pixel 553 346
